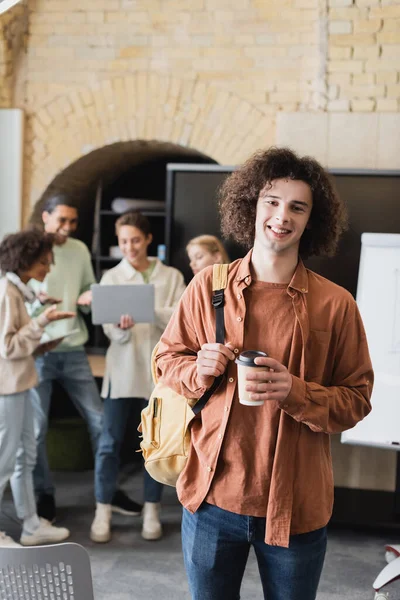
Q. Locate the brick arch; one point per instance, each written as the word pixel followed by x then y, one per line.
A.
pixel 142 106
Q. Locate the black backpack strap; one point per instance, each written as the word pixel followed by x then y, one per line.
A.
pixel 220 278
pixel 220 281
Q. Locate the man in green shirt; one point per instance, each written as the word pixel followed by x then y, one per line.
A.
pixel 69 284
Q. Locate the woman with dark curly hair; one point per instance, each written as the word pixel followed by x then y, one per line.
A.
pixel 259 469
pixel 23 256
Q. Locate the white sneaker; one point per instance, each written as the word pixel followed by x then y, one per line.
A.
pixel 152 529
pixel 46 533
pixel 100 530
pixel 7 542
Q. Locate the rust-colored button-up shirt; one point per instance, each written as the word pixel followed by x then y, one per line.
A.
pixel 332 381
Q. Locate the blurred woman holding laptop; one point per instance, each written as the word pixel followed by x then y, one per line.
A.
pixel 23 256
pixel 128 375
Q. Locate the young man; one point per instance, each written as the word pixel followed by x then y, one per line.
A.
pixel 68 283
pixel 261 476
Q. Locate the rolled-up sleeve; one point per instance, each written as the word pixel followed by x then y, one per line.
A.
pixel 177 350
pixel 17 342
pixel 340 406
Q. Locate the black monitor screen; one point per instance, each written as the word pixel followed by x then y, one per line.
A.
pixel 372 198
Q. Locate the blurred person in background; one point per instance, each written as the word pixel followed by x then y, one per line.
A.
pixel 23 256
pixel 69 284
pixel 204 251
pixel 128 368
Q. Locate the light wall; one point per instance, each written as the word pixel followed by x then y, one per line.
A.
pixel 11 152
pixel 343 140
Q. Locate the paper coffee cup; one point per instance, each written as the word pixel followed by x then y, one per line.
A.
pixel 245 364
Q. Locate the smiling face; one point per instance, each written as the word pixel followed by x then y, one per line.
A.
pixel 283 212
pixel 63 220
pixel 133 244
pixel 200 257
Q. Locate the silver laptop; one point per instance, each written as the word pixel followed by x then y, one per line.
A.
pixel 110 302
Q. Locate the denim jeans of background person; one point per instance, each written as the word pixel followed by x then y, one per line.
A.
pixel 72 371
pixel 261 475
pixel 116 413
pixel 128 366
pixel 68 284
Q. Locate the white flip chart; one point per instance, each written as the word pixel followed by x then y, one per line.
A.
pixel 378 299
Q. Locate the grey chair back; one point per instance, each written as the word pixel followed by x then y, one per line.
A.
pixel 55 572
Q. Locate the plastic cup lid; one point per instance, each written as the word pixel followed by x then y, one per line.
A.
pixel 246 358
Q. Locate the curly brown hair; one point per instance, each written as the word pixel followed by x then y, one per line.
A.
pixel 20 251
pixel 239 194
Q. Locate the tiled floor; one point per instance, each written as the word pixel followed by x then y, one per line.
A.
pixel 129 568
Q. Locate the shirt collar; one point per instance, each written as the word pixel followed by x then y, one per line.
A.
pixel 243 273
pixel 299 281
pixel 130 272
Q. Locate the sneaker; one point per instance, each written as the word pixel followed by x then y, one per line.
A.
pixel 123 505
pixel 46 533
pixel 100 530
pixel 152 529
pixel 7 542
pixel 46 507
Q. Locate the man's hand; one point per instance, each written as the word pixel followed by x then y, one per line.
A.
pixel 269 385
pixel 212 361
pixel 126 322
pixel 44 298
pixel 85 299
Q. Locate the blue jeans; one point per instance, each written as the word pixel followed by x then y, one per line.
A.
pixel 72 371
pixel 18 451
pixel 216 546
pixel 116 412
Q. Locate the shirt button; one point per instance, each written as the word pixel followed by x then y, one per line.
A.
pixel 247 279
pixel 303 289
pixel 236 350
pixel 239 296
pixel 231 380
pixel 226 408
pixel 239 319
pixel 219 436
pixel 209 469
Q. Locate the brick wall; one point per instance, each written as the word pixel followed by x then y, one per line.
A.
pixel 364 55
pixel 209 74
pixel 264 51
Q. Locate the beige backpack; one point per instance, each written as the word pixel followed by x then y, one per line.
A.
pixel 165 422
